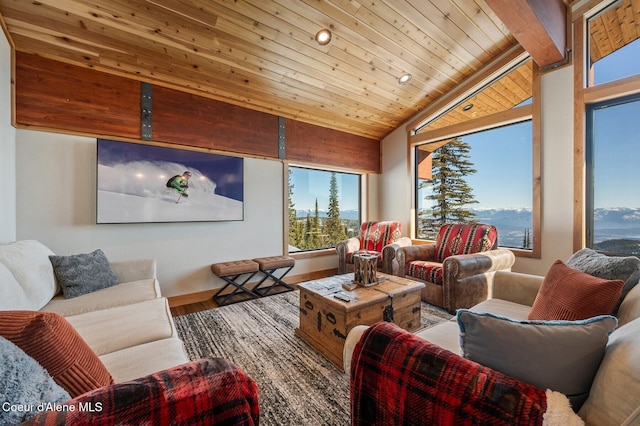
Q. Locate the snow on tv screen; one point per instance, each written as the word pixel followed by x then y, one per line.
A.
pixel 147 183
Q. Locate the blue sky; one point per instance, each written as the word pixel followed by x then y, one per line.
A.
pixel 618 128
pixel 310 184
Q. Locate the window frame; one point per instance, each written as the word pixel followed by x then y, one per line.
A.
pixel 521 118
pixel 530 111
pixel 584 97
pixel 589 164
pixel 363 184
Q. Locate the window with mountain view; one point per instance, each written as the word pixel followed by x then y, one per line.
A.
pixel 613 199
pixel 324 208
pixel 484 170
pixel 492 186
pixel 612 202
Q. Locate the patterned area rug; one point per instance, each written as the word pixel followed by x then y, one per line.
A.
pixel 297 385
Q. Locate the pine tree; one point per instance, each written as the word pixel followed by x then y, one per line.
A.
pixel 451 193
pixel 295 232
pixel 333 227
pixel 526 243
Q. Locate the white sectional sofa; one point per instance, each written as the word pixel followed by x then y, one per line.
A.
pixel 128 325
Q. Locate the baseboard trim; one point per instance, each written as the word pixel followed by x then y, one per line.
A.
pixel 201 296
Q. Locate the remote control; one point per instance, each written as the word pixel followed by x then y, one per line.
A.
pixel 342 297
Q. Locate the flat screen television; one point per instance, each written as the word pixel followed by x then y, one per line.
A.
pixel 149 183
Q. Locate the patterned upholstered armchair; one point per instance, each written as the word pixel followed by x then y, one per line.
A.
pixel 458 269
pixel 381 238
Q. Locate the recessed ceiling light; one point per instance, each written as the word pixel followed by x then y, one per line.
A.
pixel 404 78
pixel 323 36
pixel 467 107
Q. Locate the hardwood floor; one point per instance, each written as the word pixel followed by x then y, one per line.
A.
pixel 193 307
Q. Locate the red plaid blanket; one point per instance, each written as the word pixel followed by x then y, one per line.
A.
pixel 398 378
pixel 204 392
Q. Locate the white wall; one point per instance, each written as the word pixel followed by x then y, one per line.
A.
pixel 557 174
pixel 56 181
pixel 7 147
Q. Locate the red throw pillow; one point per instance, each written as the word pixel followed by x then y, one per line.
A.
pixel 51 340
pixel 568 294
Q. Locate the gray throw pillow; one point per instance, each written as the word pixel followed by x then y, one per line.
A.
pixel 25 385
pixel 83 273
pixel 563 356
pixel 625 268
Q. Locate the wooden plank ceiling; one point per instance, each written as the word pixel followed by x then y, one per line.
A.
pixel 261 54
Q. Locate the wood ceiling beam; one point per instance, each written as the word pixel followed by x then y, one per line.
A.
pixel 540 26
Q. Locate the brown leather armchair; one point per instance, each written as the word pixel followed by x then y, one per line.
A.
pixel 458 268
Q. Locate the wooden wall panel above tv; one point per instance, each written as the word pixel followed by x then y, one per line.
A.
pixel 55 96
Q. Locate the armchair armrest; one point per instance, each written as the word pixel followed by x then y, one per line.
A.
pixel 466 265
pixel 389 262
pixel 342 248
pixel 203 392
pixel 516 287
pixel 468 278
pixel 134 270
pixel 410 253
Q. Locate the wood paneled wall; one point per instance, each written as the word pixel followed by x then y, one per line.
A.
pixel 319 145
pixel 53 95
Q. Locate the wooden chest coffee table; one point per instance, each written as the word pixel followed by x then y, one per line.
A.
pixel 326 319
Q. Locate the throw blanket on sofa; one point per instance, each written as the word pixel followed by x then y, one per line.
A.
pixel 203 392
pixel 399 378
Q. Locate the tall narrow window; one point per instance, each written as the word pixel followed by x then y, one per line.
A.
pixel 613 199
pixel 324 208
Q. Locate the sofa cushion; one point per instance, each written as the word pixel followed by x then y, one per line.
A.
pixel 454 239
pixel 630 307
pixel 12 295
pixel 125 293
pixel 28 262
pixel 615 392
pixel 425 270
pixel 600 265
pixel 558 355
pixel 568 294
pixel 83 273
pixel 375 235
pixel 137 361
pixel 52 341
pixel 110 330
pixel 625 268
pixel 25 385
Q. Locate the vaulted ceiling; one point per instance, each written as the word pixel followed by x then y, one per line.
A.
pixel 261 54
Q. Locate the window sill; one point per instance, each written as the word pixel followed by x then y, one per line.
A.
pixel 314 253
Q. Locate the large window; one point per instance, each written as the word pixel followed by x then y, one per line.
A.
pixel 610 71
pixel 497 183
pixel 324 208
pixel 613 199
pixel 479 161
